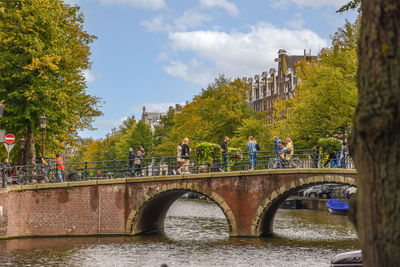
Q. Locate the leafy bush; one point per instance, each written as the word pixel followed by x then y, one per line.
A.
pixel 206 152
pixel 330 145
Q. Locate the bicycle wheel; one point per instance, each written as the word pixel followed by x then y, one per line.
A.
pixel 294 163
pixel 51 175
pixel 20 177
pixel 274 164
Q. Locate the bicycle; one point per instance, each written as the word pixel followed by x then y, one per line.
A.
pixel 279 163
pixel 13 175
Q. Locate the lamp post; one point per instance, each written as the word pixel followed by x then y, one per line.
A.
pixel 2 107
pixel 22 141
pixel 2 132
pixel 43 124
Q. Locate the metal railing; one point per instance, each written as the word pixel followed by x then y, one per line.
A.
pixel 154 166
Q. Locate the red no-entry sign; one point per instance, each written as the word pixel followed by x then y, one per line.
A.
pixel 10 138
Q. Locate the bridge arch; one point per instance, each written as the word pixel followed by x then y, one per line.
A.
pixel 148 215
pixel 262 223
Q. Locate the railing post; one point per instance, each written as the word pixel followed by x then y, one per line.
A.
pixel 315 161
pixel 169 165
pixel 26 174
pixel 57 170
pixel 85 174
pixel 115 168
pixel 3 177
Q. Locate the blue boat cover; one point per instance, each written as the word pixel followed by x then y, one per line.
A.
pixel 335 204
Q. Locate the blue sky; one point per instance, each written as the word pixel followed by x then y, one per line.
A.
pixel 162 52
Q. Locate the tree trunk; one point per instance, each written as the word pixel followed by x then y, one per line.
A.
pixel 30 147
pixel 377 133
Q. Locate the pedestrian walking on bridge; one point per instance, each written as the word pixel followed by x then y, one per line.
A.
pixel 138 161
pixel 224 152
pixel 131 159
pixel 60 168
pixel 252 147
pixel 186 154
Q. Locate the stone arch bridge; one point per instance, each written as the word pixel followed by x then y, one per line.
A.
pixel 134 206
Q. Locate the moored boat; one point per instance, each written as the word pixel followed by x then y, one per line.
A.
pixel 337 207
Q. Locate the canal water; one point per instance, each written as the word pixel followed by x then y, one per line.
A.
pixel 196 235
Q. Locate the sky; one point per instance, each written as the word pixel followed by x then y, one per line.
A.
pixel 160 53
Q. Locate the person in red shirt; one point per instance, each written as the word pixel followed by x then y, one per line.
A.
pixel 60 168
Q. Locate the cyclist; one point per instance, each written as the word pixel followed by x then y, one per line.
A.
pixel 288 150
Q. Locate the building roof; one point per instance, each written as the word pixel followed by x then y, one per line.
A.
pixel 291 60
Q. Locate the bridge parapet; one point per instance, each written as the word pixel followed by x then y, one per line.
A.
pixel 161 166
pixel 129 206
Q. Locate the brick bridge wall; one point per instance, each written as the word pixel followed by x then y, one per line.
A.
pixel 132 206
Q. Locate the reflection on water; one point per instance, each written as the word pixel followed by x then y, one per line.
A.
pixel 196 235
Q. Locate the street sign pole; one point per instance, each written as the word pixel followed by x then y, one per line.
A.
pixel 9 147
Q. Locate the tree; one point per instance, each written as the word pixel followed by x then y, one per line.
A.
pixel 377 133
pixel 325 101
pixel 165 127
pixel 138 135
pixel 216 112
pixel 255 127
pixel 43 53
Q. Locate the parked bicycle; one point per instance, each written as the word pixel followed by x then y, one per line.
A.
pixel 280 163
pixel 13 175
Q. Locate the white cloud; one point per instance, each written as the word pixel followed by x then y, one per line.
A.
pixel 89 76
pixel 312 3
pixel 147 4
pixel 155 25
pixel 190 19
pixel 194 72
pixel 229 7
pixel 237 54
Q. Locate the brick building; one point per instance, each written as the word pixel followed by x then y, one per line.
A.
pixel 280 83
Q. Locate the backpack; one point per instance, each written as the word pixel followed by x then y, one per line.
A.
pixel 258 147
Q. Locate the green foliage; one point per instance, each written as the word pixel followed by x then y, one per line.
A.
pixel 207 152
pixel 116 146
pixel 255 127
pixel 220 110
pixel 43 53
pixel 165 127
pixel 327 96
pixel 353 4
pixel 330 145
pixel 138 135
pixel 217 112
